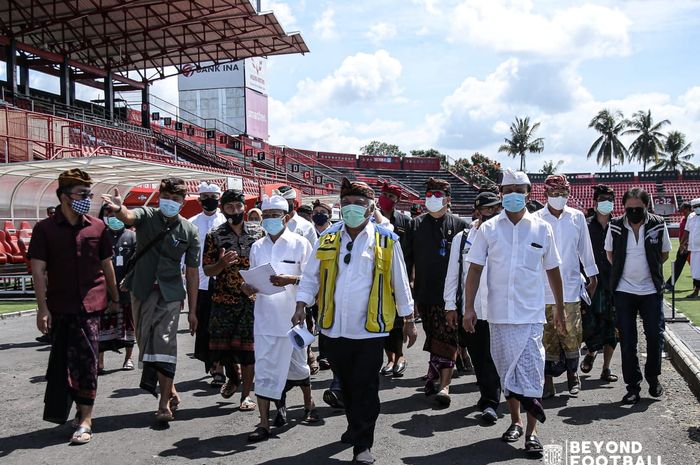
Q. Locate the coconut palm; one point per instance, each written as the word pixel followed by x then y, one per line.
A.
pixel 521 140
pixel 675 155
pixel 549 167
pixel 649 142
pixel 608 146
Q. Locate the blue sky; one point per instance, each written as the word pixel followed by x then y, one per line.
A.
pixel 453 74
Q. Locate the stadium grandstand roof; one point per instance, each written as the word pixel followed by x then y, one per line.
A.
pixel 28 187
pixel 139 35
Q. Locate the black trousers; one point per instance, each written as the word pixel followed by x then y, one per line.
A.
pixel 678 266
pixel 201 341
pixel 650 309
pixel 357 363
pixel 479 348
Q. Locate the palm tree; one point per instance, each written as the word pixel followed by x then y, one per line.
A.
pixel 608 146
pixel 549 167
pixel 649 142
pixel 521 141
pixel 675 155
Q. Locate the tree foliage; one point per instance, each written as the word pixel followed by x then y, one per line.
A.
pixel 522 140
pixel 381 149
pixel 479 169
pixel 675 154
pixel 432 153
pixel 649 141
pixel 608 146
pixel 549 167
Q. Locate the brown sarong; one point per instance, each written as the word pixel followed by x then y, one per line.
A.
pixel 440 339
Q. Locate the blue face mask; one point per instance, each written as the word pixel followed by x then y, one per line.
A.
pixel 605 207
pixel 169 208
pixel 514 202
pixel 353 215
pixel 273 226
pixel 114 223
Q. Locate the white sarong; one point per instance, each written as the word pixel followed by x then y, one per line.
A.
pixel 518 354
pixel 276 361
pixel 695 265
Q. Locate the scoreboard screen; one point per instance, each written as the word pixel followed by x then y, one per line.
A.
pixel 665 205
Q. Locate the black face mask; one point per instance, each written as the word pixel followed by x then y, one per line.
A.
pixel 635 215
pixel 486 217
pixel 320 219
pixel 234 219
pixel 209 204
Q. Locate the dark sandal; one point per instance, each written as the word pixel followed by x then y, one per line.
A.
pixel 260 434
pixel 587 363
pixel 533 445
pixel 218 379
pixel 76 439
pixel 513 433
pixel 608 376
pixel 310 416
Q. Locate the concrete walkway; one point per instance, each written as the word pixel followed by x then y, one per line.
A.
pixel 411 430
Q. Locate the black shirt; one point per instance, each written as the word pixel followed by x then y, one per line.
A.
pixel 598 232
pixel 401 224
pixel 428 251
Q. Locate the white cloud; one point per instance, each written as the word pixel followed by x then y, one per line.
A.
pixel 379 32
pixel 476 116
pixel 429 6
pixel 513 26
pixel 283 13
pixel 325 25
pixel 360 77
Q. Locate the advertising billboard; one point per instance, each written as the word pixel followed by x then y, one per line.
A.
pixel 256 74
pixel 211 77
pixel 256 114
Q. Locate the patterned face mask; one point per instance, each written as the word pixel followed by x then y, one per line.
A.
pixel 81 207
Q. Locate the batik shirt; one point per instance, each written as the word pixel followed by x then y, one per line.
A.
pixel 227 289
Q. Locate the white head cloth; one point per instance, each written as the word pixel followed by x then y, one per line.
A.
pixel 511 177
pixel 695 202
pixel 205 188
pixel 287 192
pixel 276 202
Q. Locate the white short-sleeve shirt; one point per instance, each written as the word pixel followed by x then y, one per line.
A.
pixel 636 276
pixel 515 256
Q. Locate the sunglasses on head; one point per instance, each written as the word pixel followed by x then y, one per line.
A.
pixel 436 194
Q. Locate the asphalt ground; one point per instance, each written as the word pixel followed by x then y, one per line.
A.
pixel 411 428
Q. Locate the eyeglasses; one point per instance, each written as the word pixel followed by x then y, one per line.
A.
pixel 83 195
pixel 348 256
pixel 436 194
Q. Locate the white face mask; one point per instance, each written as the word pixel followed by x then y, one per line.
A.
pixel 557 203
pixel 434 204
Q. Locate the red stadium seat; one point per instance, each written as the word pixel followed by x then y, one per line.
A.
pixel 11 251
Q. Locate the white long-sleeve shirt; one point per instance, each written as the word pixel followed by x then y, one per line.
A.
pixel 353 284
pixel 287 255
pixel 574 245
pixel 514 257
pixel 206 223
pixel 452 279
